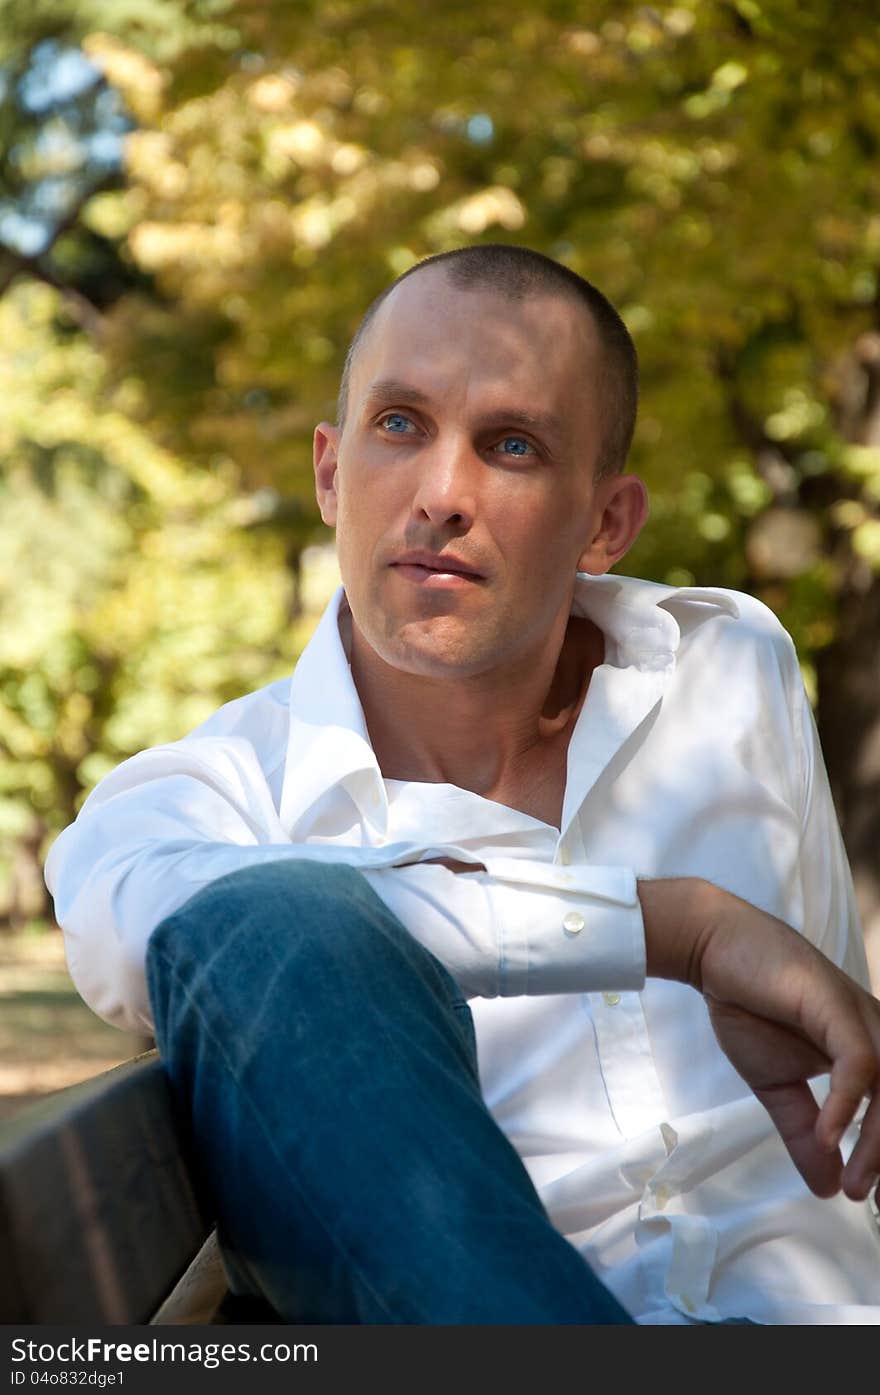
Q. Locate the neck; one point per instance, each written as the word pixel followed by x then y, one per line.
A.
pixel 491 733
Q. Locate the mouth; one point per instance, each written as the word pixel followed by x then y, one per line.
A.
pixel 435 569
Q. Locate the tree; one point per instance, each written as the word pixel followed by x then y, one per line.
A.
pixel 135 595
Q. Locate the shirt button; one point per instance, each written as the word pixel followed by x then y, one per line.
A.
pixel 573 922
pixel 612 999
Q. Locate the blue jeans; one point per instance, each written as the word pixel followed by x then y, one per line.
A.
pixel 328 1065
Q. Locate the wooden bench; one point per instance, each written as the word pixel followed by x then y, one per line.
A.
pixel 102 1214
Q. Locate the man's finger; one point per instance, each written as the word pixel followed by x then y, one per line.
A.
pixel 794 1111
pixel 854 1074
pixel 863 1167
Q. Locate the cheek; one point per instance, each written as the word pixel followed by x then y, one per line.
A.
pixel 550 537
pixel 354 505
pixel 368 497
pixel 363 521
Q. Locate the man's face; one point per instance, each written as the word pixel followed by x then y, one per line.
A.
pixel 461 486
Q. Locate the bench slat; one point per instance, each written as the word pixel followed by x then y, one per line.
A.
pixel 100 1208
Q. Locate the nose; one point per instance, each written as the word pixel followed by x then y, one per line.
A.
pixel 447 483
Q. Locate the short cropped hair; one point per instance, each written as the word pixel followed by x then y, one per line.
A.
pixel 516 272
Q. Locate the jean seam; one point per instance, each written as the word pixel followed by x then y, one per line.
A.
pixel 295 1183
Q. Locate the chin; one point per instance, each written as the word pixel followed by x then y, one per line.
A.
pixel 430 656
pixel 443 647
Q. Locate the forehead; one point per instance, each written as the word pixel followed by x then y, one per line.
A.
pixel 445 338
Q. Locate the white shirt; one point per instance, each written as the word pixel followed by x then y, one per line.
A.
pixel 695 754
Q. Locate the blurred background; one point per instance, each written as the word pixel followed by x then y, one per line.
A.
pixel 198 198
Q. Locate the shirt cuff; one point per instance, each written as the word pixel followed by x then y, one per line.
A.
pixel 565 929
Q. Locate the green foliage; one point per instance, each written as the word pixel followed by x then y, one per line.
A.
pixel 165 29
pixel 132 601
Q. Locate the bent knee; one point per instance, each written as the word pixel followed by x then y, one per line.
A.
pixel 312 917
pixel 293 901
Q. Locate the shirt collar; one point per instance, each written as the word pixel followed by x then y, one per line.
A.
pixel 644 620
pixel 329 745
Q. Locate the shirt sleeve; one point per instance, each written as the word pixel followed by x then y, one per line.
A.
pixel 523 927
pixel 146 839
pixel 174 818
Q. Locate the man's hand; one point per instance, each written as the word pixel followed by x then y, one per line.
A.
pixel 782 1014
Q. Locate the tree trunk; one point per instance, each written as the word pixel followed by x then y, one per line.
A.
pixel 28 896
pixel 848 674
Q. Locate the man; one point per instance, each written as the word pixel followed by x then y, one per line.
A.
pixel 486 743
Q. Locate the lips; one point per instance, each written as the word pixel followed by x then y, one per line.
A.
pixel 437 563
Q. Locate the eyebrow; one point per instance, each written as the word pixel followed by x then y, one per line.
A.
pixel 396 390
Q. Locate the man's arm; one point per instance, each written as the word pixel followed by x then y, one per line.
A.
pixel 170 820
pixel 782 1013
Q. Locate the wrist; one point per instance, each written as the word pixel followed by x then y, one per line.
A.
pixel 678 915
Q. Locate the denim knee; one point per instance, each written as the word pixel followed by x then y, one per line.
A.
pixel 304 906
pixel 261 892
pixel 284 901
pixel 317 924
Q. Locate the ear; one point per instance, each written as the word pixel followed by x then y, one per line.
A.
pixel 325 450
pixel 619 512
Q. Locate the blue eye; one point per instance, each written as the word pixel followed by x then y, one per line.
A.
pixel 522 446
pixel 396 422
